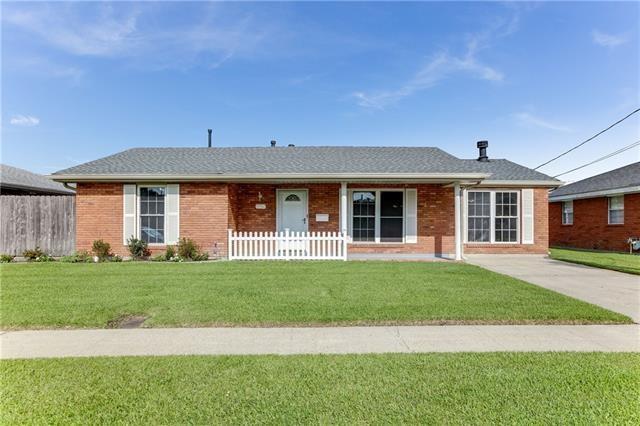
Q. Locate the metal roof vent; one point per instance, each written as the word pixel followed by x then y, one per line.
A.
pixel 482 147
pixel 273 144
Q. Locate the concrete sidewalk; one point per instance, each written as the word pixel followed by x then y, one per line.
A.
pixel 323 340
pixel 616 291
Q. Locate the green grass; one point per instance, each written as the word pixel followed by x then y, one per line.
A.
pixel 629 263
pixel 278 293
pixel 507 388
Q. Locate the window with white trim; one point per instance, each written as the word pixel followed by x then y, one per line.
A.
pixel 364 216
pixel 506 217
pixel 616 210
pixel 567 212
pixel 377 216
pixel 152 223
pixel 479 216
pixel 493 216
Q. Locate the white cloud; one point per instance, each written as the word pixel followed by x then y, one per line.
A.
pixel 440 67
pixel 530 120
pixel 444 65
pixel 608 40
pixel 138 32
pixel 24 120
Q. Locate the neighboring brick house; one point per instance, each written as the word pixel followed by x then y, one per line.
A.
pixel 601 212
pixel 396 202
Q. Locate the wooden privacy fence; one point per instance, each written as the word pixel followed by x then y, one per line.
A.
pixel 287 245
pixel 46 221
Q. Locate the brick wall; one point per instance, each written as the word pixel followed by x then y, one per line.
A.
pixel 208 209
pixel 99 216
pixel 204 216
pixel 590 229
pixel 436 227
pixel 540 231
pixel 323 198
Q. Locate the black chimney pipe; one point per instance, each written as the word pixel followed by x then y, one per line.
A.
pixel 482 146
pixel 273 144
pixel 209 130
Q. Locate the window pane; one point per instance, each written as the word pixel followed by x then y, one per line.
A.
pixel 391 204
pixel 479 215
pixel 506 222
pixel 152 215
pixel 364 210
pixel 390 229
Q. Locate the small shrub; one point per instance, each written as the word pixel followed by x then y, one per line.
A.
pixel 159 258
pixel 114 258
pixel 32 254
pixel 6 258
pixel 102 250
pixel 81 256
pixel 44 258
pixel 170 253
pixel 139 249
pixel 188 250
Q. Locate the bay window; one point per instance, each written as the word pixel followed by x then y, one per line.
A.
pixel 377 216
pixel 152 224
pixel 567 213
pixel 492 216
pixel 616 210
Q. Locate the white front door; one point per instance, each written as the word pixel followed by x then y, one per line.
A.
pixel 292 210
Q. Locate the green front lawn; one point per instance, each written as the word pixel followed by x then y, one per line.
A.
pixel 507 388
pixel 629 263
pixel 278 293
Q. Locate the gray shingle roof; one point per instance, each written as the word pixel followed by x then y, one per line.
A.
pixel 295 160
pixel 15 178
pixel 623 177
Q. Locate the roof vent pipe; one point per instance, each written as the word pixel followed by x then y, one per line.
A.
pixel 210 131
pixel 482 147
pixel 273 144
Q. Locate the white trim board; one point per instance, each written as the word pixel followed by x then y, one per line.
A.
pixel 596 194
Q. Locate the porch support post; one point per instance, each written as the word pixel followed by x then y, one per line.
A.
pixel 343 207
pixel 457 209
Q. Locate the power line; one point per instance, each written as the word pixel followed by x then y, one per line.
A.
pixel 621 150
pixel 591 138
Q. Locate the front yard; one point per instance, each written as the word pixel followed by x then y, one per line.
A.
pixel 56 295
pixel 504 388
pixel 622 262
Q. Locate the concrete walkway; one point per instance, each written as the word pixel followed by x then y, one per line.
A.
pixel 613 290
pixel 326 340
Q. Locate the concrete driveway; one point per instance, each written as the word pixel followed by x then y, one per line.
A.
pixel 615 291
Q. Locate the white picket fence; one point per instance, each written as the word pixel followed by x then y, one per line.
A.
pixel 287 245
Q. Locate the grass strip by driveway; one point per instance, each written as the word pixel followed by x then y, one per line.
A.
pixel 621 262
pixel 278 293
pixel 541 388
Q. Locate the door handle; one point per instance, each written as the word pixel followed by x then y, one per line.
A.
pixel 304 220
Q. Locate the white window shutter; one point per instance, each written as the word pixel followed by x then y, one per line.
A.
pixel 411 226
pixel 129 208
pixel 172 214
pixel 527 216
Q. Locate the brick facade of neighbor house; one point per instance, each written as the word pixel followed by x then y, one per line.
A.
pixel 590 229
pixel 540 231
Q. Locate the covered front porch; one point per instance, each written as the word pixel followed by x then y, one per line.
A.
pixel 345 220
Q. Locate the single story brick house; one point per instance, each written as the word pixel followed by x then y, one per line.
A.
pixel 400 202
pixel 600 212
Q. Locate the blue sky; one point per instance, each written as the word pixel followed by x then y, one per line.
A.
pixel 85 80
